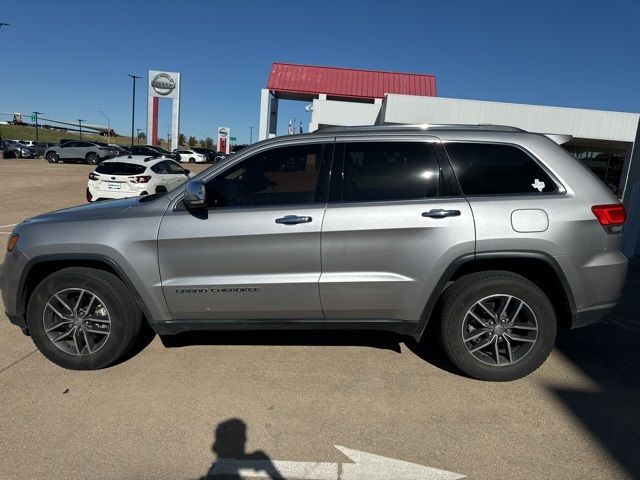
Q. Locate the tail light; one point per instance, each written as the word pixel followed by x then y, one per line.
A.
pixel 89 196
pixel 93 176
pixel 143 178
pixel 611 217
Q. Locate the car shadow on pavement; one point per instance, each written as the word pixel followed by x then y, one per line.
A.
pixel 373 339
pixel 609 353
pixel 144 339
pixel 232 461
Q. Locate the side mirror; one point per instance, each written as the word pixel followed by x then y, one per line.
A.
pixel 195 195
pixel 186 172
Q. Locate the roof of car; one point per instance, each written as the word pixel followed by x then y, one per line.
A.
pixel 145 160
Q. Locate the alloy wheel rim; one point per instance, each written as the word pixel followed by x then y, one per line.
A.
pixel 76 321
pixel 499 330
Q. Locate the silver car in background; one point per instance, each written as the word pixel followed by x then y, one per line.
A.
pixel 77 150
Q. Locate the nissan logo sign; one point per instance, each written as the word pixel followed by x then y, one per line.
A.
pixel 223 132
pixel 163 84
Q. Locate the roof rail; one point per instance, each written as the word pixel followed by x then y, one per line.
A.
pixel 426 127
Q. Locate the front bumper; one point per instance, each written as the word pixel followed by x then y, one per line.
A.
pixel 10 278
pixel 592 315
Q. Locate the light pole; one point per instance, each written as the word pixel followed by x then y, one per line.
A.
pixel 108 126
pixel 80 120
pixel 250 135
pixel 36 114
pixel 133 106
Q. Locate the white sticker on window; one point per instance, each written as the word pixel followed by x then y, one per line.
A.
pixel 538 185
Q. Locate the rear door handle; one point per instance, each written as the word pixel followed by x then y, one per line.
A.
pixel 441 213
pixel 293 219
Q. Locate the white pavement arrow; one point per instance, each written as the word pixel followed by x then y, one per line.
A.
pixel 365 466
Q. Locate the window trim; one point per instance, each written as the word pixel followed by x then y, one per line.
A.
pixel 561 188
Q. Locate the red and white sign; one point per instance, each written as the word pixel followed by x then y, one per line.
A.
pixel 224 137
pixel 163 85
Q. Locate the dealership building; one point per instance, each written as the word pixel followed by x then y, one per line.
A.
pixel 606 142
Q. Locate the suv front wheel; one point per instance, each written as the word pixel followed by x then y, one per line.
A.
pixel 83 318
pixel 497 325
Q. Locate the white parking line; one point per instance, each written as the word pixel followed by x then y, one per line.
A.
pixel 10 225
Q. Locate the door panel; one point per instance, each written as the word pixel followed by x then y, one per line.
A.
pixel 66 152
pixel 237 264
pixel 382 261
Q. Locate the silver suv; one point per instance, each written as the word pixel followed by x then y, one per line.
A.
pixel 489 237
pixel 90 152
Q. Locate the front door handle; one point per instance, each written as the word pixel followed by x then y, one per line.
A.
pixel 293 219
pixel 441 213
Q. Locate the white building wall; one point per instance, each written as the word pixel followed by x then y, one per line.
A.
pixel 582 123
pixel 332 112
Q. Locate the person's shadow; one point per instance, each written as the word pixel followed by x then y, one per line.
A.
pixel 229 440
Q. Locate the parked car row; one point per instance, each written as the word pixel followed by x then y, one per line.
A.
pixel 16 149
pixel 96 152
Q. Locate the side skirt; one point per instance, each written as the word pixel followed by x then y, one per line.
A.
pixel 172 327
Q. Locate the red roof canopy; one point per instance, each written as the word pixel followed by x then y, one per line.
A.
pixel 309 81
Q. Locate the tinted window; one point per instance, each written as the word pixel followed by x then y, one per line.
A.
pixel 174 168
pixel 281 176
pixel 160 167
pixel 118 168
pixel 69 144
pixel 486 169
pixel 378 171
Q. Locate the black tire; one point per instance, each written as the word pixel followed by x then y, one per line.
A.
pixel 52 157
pixel 161 188
pixel 464 294
pixel 17 154
pixel 192 160
pixel 92 158
pixel 124 314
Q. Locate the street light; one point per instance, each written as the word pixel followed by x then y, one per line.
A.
pixel 36 114
pixel 80 120
pixel 108 126
pixel 133 106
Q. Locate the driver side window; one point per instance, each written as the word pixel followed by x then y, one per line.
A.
pixel 281 176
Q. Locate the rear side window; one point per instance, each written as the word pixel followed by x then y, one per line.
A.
pixel 379 171
pixel 491 169
pixel 119 168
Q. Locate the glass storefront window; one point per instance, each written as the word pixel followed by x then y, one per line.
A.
pixel 605 162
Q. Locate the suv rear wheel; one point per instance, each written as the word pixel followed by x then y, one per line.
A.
pixel 52 157
pixel 83 318
pixel 497 325
pixel 92 158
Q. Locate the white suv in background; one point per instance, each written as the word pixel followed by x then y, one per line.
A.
pixel 191 156
pixel 133 176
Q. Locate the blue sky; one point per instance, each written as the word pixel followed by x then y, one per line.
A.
pixel 71 59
